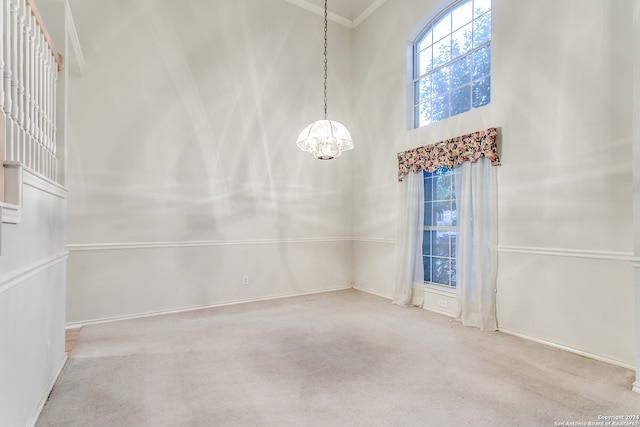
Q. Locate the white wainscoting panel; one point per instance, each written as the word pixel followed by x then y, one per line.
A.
pixel 373 263
pixel 579 300
pixel 115 280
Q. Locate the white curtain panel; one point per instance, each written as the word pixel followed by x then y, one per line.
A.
pixel 477 263
pixel 409 268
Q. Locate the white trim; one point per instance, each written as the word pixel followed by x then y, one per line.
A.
pixel 72 34
pixel 440 290
pixel 10 213
pixel 367 291
pixel 339 19
pixel 9 280
pixel 36 414
pixel 74 325
pixel 636 386
pixel 438 311
pixel 18 176
pixel 39 182
pixel 373 240
pixel 569 349
pixel 367 12
pixel 75 247
pixel 573 253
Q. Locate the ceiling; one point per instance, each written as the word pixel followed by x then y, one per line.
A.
pixel 350 12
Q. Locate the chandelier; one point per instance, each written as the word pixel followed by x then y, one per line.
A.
pixel 325 139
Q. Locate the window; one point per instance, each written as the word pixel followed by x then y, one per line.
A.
pixel 452 63
pixel 440 227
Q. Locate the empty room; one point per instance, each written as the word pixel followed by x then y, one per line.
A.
pixel 319 213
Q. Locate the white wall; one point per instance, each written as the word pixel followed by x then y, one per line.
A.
pixel 183 170
pixel 561 96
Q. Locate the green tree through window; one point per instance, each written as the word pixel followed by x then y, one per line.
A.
pixel 452 63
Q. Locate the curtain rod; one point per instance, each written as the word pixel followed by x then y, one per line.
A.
pixel 34 11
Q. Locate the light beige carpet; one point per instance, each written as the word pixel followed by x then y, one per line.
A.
pixel 334 359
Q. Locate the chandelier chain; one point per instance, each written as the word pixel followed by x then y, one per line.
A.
pixel 325 59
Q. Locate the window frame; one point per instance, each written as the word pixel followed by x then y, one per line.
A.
pixel 452 257
pixel 414 116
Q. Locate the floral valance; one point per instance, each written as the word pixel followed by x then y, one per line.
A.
pixel 450 153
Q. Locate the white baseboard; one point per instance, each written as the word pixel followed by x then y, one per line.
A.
pixel 636 386
pixel 74 325
pixel 45 397
pixel 444 313
pixel 367 291
pixel 570 350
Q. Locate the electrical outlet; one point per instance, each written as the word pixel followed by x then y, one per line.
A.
pixel 245 280
pixel 442 303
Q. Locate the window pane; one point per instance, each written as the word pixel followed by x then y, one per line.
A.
pixel 440 243
pixel 425 59
pixel 461 41
pixel 461 15
pixel 454 243
pixel 482 29
pixel 442 51
pixel 425 41
pixel 482 63
pixel 426 242
pixel 426 261
pixel 442 27
pixel 481 6
pixel 440 81
pixel 416 116
pixel 440 270
pixel 442 214
pixel 428 195
pixel 452 273
pixel 428 214
pixel 443 187
pixel 460 72
pixel 423 90
pixel 461 100
pixel 454 214
pixel 440 108
pixel 423 113
pixel 481 92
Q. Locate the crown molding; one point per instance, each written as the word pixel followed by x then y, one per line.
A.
pixel 339 19
pixel 367 12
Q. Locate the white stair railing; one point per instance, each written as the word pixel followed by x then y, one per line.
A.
pixel 29 68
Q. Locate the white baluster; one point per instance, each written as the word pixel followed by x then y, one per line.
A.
pixel 45 100
pixel 20 63
pixel 22 145
pixel 41 82
pixel 11 35
pixel 27 89
pixel 54 127
pixel 2 32
pixel 36 88
pixel 6 51
pixel 47 113
pixel 14 59
pixel 32 76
